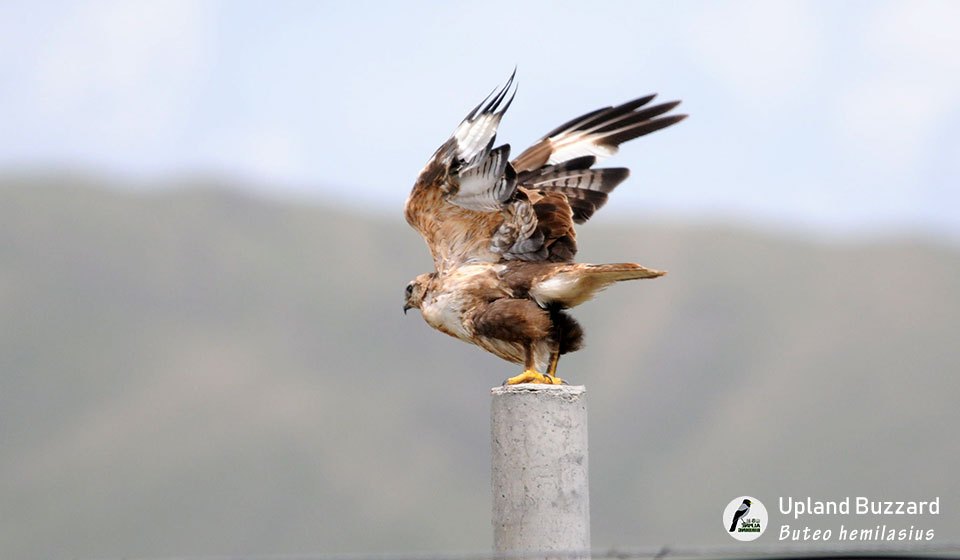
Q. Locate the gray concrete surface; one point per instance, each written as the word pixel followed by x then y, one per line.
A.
pixel 541 499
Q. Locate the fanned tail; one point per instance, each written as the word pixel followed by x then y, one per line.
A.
pixel 570 285
pixel 609 273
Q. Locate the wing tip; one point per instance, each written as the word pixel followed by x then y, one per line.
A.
pixel 491 103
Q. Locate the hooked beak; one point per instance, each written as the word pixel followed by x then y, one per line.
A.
pixel 406 306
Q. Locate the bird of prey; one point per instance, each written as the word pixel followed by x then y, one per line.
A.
pixel 741 511
pixel 501 232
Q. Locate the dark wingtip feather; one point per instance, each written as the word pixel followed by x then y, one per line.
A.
pixel 473 113
pixel 638 117
pixel 510 101
pixel 500 95
pixel 641 129
pixel 638 102
pixel 574 121
pixel 582 162
pixel 588 119
pixel 493 99
pixel 613 176
pixel 613 114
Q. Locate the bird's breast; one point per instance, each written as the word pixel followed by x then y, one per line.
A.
pixel 445 313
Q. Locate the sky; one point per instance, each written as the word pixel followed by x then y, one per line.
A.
pixel 835 117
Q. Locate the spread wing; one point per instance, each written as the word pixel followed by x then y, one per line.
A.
pixel 471 204
pixel 563 160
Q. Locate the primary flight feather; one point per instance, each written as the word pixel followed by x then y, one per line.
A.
pixel 501 232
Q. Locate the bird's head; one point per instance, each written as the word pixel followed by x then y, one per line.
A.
pixel 416 289
pixel 748 502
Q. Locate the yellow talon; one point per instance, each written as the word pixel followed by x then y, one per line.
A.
pixel 533 376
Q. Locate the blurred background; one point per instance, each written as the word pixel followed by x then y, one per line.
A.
pixel 203 254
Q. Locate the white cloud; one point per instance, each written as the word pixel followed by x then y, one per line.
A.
pixel 854 101
pixel 115 72
pixel 761 52
pixel 267 153
pixel 906 85
pixel 919 32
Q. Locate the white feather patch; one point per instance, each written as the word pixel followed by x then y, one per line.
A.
pixel 443 313
pixel 568 288
pixel 473 137
pixel 567 150
pixel 483 187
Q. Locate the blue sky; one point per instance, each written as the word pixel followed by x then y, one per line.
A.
pixel 824 116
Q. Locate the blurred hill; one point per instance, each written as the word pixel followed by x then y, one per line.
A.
pixel 195 371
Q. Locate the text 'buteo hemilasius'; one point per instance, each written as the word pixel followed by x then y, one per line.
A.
pixel 502 235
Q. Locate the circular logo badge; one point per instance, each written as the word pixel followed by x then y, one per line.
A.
pixel 745 518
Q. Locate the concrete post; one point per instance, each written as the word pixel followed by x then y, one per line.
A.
pixel 541 499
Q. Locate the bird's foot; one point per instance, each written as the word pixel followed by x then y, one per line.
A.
pixel 533 376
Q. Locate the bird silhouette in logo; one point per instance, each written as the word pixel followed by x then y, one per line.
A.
pixel 741 511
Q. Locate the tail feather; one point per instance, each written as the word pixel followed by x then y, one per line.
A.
pixel 570 285
pixel 620 271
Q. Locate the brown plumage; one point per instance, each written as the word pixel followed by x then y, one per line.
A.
pixel 502 233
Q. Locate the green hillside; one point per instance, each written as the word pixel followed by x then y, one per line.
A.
pixel 197 371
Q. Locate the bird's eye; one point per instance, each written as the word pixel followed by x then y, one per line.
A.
pixel 409 288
